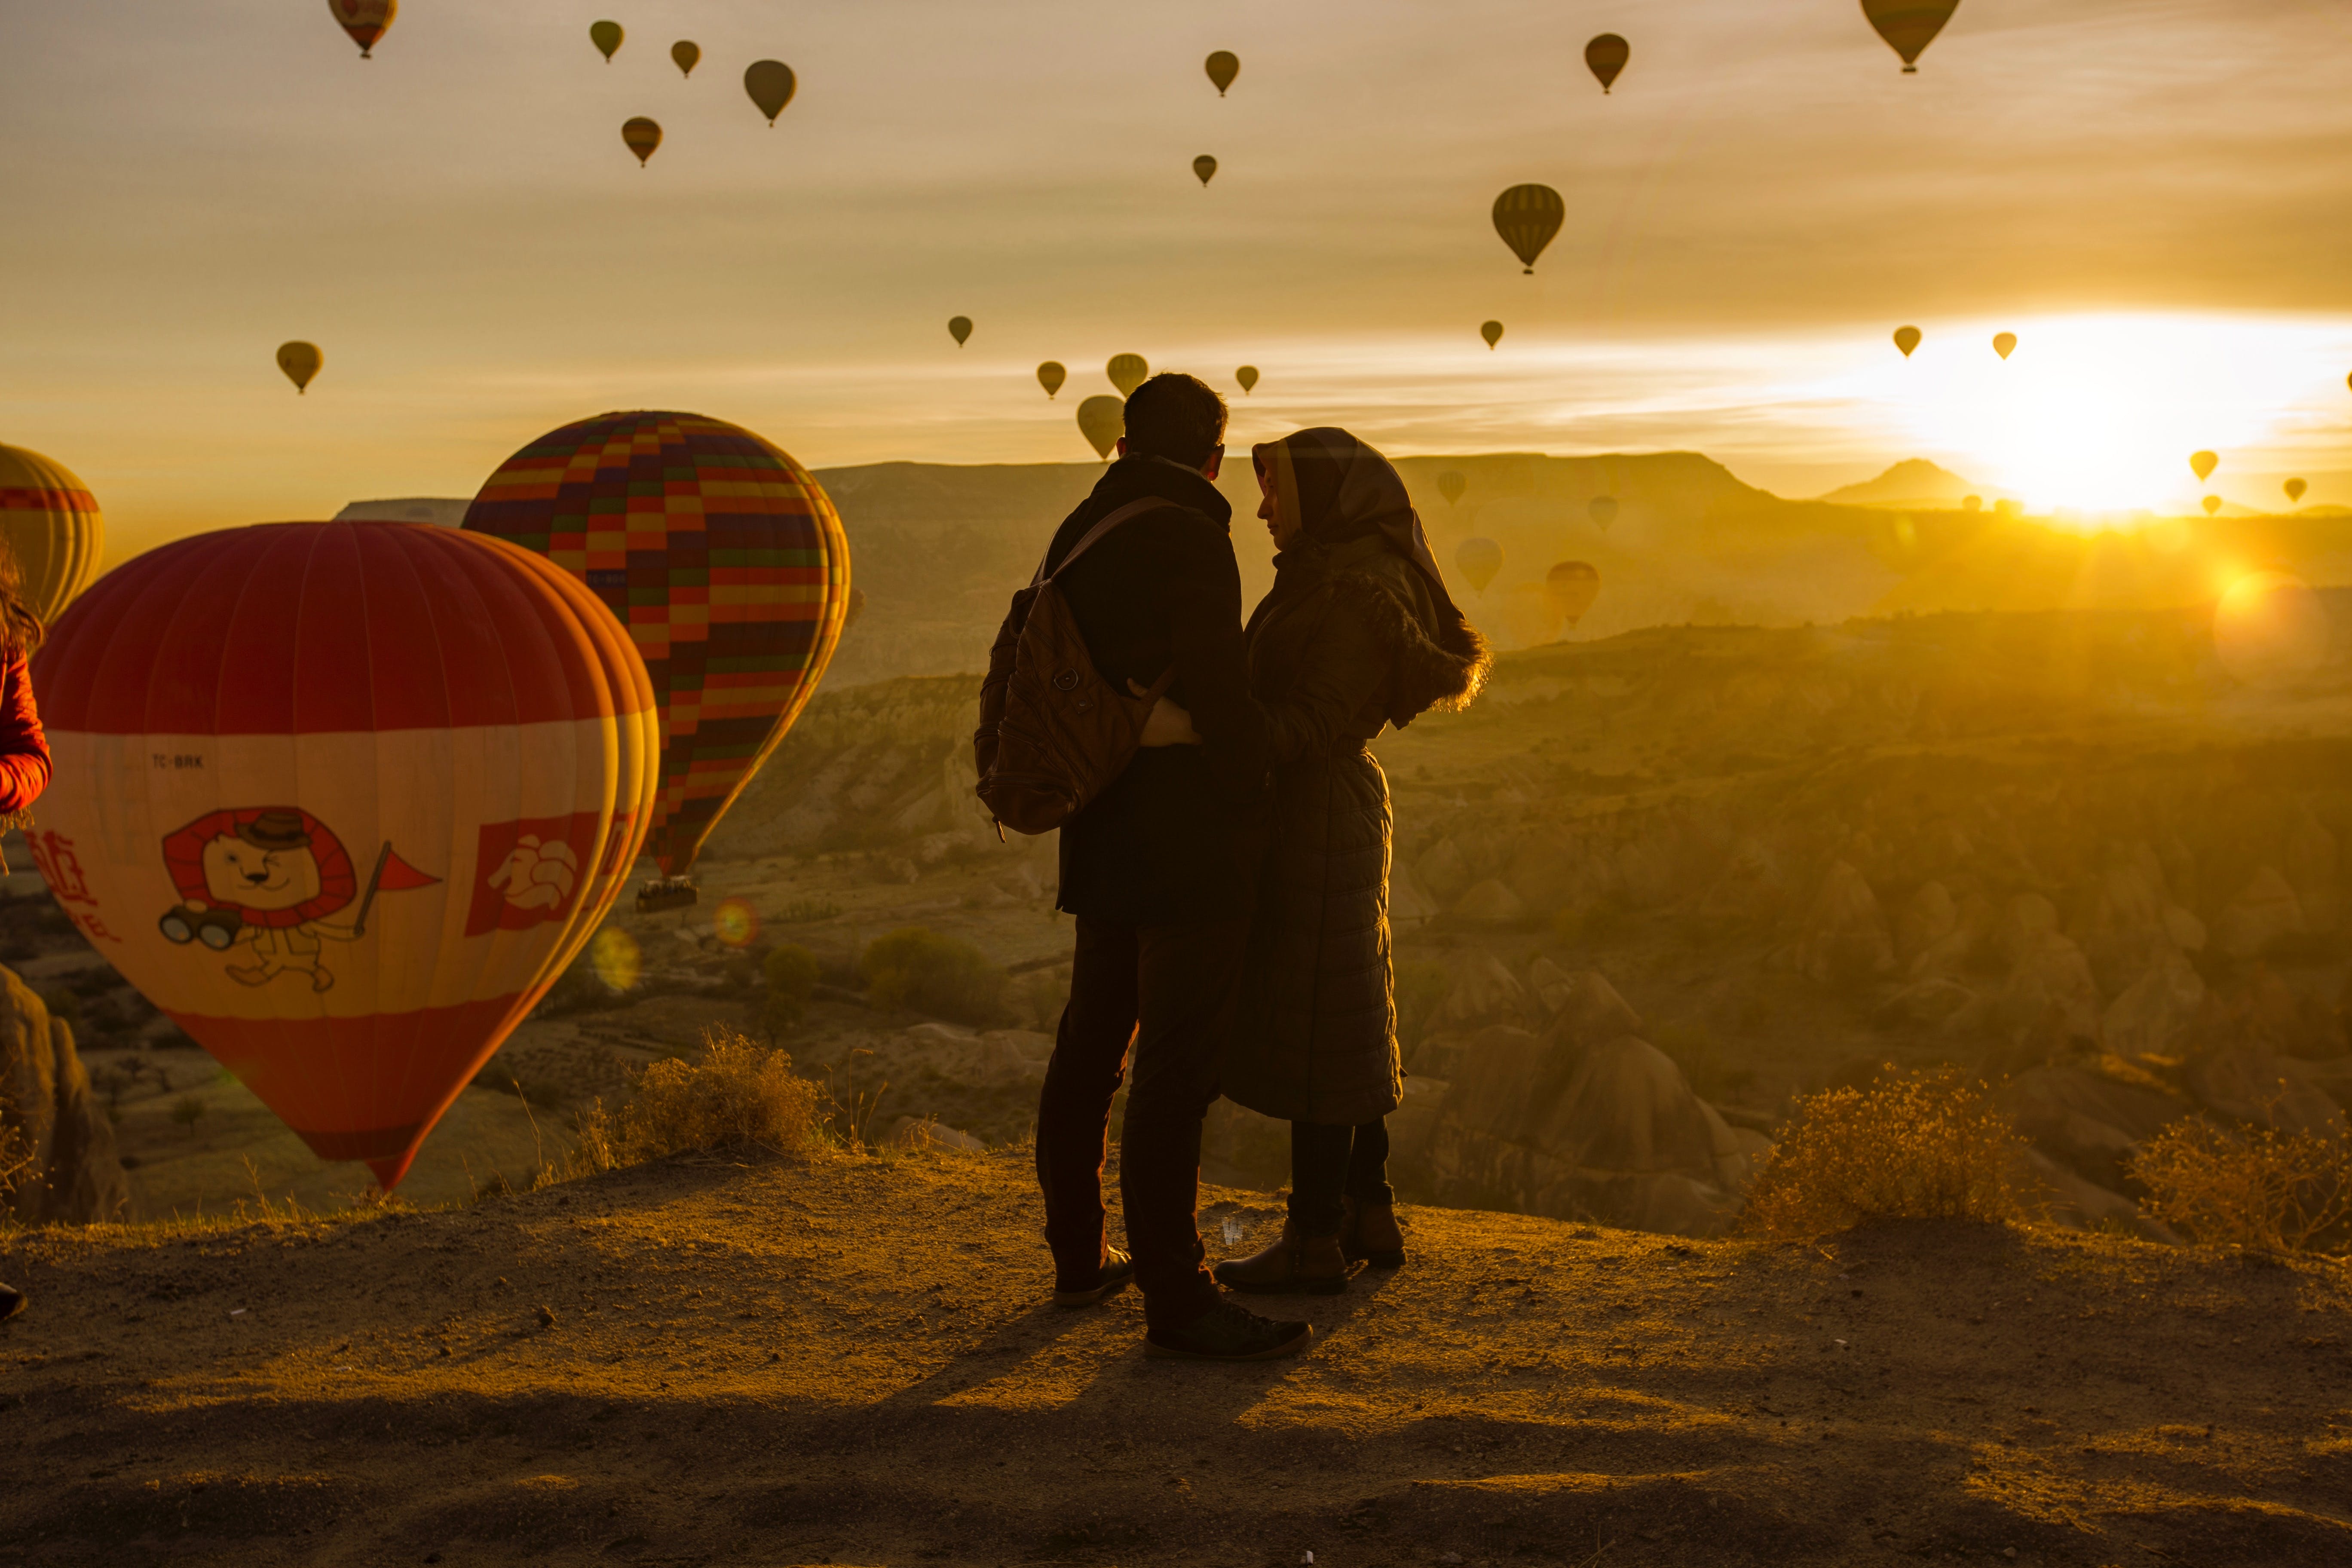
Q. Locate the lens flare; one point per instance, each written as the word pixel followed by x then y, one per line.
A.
pixel 617 960
pixel 2270 628
pixel 737 922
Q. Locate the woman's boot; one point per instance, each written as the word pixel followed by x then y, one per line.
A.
pixel 1294 1262
pixel 1368 1234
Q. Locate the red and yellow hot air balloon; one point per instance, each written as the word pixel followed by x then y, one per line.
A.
pixel 53 527
pixel 345 798
pixel 365 20
pixel 727 563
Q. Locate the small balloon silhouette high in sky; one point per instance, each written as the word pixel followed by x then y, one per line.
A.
pixel 1127 372
pixel 365 20
pixel 1526 217
pixel 1050 376
pixel 1605 56
pixel 300 362
pixel 771 84
pixel 687 54
pixel 1909 25
pixel 1906 339
pixel 641 136
pixel 606 36
pixel 1492 332
pixel 1222 68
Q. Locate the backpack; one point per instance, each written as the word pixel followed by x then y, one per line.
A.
pixel 1053 732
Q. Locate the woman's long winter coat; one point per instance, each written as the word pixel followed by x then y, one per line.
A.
pixel 1341 645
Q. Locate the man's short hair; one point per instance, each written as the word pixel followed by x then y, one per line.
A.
pixel 1176 416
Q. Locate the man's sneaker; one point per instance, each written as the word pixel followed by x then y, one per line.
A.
pixel 1117 1273
pixel 12 1301
pixel 1229 1331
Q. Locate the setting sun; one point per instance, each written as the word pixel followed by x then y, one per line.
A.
pixel 2097 415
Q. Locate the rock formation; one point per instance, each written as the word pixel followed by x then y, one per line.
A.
pixel 50 1118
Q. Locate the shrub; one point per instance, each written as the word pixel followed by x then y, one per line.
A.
pixel 2253 1187
pixel 934 973
pixel 187 1111
pixel 791 977
pixel 739 1092
pixel 1925 1147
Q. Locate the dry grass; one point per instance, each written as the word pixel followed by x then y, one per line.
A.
pixel 739 1092
pixel 1925 1147
pixel 2253 1187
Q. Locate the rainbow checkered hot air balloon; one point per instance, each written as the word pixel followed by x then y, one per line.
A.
pixel 728 564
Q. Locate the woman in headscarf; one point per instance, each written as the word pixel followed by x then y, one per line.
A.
pixel 1358 634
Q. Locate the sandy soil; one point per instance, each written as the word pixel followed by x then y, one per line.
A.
pixel 850 1361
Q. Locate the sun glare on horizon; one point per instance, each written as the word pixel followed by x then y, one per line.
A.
pixel 2096 415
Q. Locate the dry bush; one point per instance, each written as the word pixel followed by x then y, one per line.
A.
pixel 2253 1187
pixel 1925 1147
pixel 739 1092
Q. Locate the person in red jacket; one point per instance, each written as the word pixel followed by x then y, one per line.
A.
pixel 24 751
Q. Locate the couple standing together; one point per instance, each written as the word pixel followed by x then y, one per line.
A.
pixel 1230 886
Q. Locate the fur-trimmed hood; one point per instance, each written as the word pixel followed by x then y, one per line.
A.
pixel 1437 659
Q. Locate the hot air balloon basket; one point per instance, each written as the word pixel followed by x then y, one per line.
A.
pixel 668 893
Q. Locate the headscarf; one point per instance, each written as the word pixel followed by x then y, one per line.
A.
pixel 1341 490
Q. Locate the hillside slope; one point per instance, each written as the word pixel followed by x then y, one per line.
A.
pixel 851 1361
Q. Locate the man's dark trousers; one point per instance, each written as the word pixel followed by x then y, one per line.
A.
pixel 1170 990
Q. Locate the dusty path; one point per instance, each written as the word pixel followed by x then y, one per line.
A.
pixel 848 1361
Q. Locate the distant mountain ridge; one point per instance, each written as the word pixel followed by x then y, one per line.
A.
pixel 1914 482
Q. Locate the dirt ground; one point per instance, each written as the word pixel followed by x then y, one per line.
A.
pixel 851 1361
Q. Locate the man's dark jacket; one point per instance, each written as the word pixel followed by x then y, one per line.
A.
pixel 1175 839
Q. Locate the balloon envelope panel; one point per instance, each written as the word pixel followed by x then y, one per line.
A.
pixel 725 559
pixel 342 800
pixel 54 527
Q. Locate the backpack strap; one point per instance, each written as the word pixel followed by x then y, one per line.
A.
pixel 1132 509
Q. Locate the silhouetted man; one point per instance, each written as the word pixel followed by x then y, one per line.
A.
pixel 1159 870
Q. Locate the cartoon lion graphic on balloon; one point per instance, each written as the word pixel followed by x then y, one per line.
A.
pixel 264 879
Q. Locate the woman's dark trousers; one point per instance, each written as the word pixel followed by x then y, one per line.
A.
pixel 1329 1164
pixel 1170 990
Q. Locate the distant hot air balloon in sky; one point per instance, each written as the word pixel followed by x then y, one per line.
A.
pixel 2294 488
pixel 606 36
pixel 1527 216
pixel 1605 56
pixel 1127 372
pixel 52 524
pixel 1102 420
pixel 771 84
pixel 300 362
pixel 1050 376
pixel 248 717
pixel 2202 465
pixel 1248 377
pixel 1570 587
pixel 1205 168
pixel 1492 332
pixel 641 136
pixel 959 329
pixel 1603 509
pixel 687 54
pixel 1909 25
pixel 1906 339
pixel 2004 343
pixel 725 559
pixel 1451 485
pixel 365 21
pixel 1479 561
pixel 2211 504
pixel 1223 66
